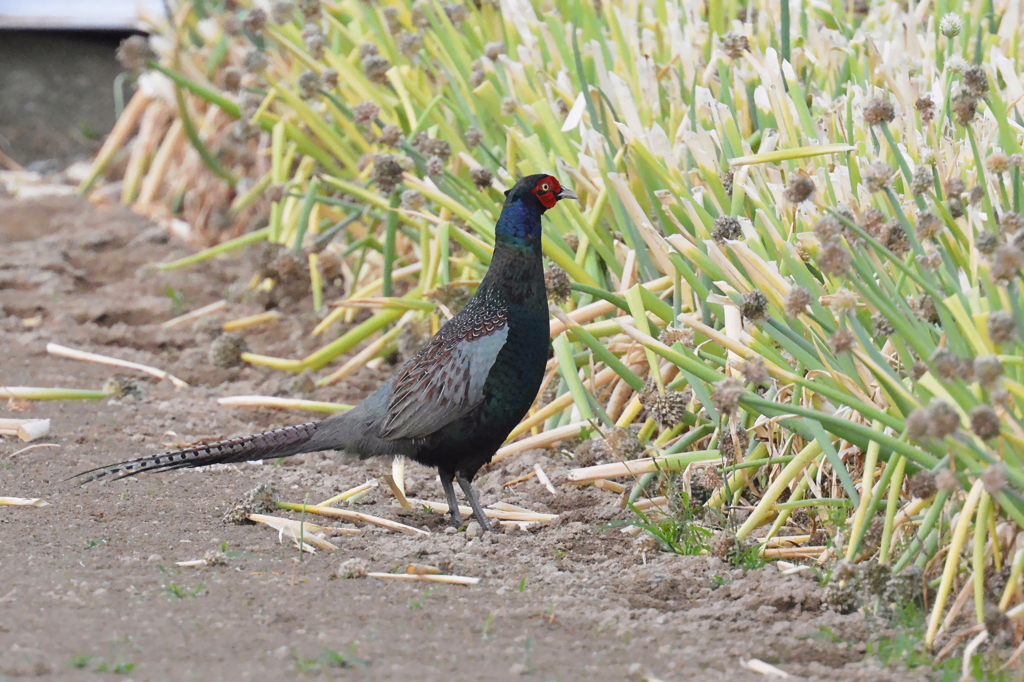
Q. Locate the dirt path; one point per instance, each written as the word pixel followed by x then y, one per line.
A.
pixel 91 580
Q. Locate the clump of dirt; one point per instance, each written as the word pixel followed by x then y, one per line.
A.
pixel 259 500
pixel 872 587
pixel 91 582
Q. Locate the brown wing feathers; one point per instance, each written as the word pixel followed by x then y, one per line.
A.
pixel 445 378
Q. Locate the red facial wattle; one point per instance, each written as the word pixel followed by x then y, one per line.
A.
pixel 546 191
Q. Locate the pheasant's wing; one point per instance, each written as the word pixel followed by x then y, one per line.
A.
pixel 446 378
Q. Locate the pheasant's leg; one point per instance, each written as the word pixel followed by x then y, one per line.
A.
pixel 453 504
pixel 474 502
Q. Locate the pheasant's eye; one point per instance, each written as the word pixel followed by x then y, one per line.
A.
pixel 545 187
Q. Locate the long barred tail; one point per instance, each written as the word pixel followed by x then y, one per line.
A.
pixel 291 440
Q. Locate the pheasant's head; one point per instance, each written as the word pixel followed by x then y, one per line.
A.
pixel 541 190
pixel 525 203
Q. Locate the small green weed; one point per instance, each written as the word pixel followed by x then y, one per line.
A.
pixel 178 592
pixel 907 647
pixel 88 130
pixel 80 662
pixel 232 553
pixel 528 652
pixel 748 557
pixel 487 627
pixel 119 667
pixel 827 634
pixel 418 602
pixel 177 300
pixel 678 534
pixel 329 658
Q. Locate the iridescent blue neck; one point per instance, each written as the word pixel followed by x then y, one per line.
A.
pixel 520 225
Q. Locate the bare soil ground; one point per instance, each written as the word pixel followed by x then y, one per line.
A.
pixel 89 583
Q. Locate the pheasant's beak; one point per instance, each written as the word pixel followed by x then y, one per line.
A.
pixel 567 194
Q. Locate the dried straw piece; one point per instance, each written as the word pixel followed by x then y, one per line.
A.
pixel 520 479
pixel 610 486
pixel 956 638
pixel 170 149
pixel 26 429
pixel 543 478
pixel 398 472
pixel 543 440
pixel 309 527
pixel 583 315
pixel 283 403
pixel 500 511
pixel 195 314
pixel 422 569
pixel 616 469
pixel 295 530
pixel 351 493
pixel 787 540
pixel 792 552
pixel 22 502
pixel 118 137
pixel 252 321
pixel 398 492
pixel 1009 662
pixel 451 579
pixel 766 669
pixel 505 506
pixel 354 516
pixel 31 447
pixel 152 127
pixel 64 351
pixel 969 651
pixel 644 505
pixel 305 528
